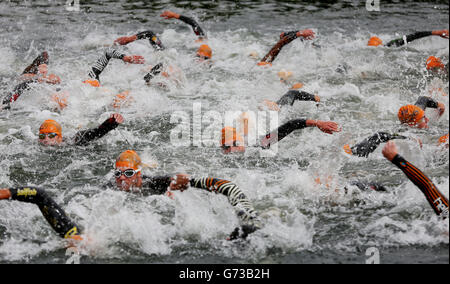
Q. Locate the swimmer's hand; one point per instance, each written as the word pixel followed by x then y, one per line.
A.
pixel 390 150
pixel 117 117
pixel 328 127
pixel 125 40
pixel 169 15
pixel 441 33
pixel 134 59
pixel 306 34
pixel 180 182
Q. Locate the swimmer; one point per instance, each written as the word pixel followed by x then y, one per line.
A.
pixel 435 198
pixel 128 177
pixel 414 115
pixel 50 132
pixel 233 142
pixel 285 38
pixel 375 41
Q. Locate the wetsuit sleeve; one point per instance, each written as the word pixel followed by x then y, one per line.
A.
pixel 293 95
pixel 409 38
pixel 273 53
pixel 154 72
pixel 435 198
pixel 86 136
pixel 282 132
pixel 153 39
pixel 33 67
pixel 370 144
pixel 195 26
pixel 155 185
pixel 103 61
pixel 424 102
pixel 15 94
pixel 52 212
pixel 245 211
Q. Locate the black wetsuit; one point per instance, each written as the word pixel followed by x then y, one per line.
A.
pixel 195 26
pixel 424 102
pixel 103 61
pixel 293 95
pixel 152 38
pixel 369 145
pixel 52 212
pixel 435 198
pixel 16 93
pixel 282 132
pixel 85 136
pixel 407 39
pixel 285 39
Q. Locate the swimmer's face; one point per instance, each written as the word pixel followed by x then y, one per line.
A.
pixel 128 178
pixel 423 123
pixel 49 139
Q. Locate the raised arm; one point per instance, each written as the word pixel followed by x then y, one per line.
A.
pixel 328 127
pixel 86 136
pixel 435 198
pixel 103 61
pixel 150 35
pixel 195 26
pixel 293 95
pixel 52 212
pixel 285 39
pixel 427 102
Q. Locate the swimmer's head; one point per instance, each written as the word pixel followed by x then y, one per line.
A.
pixel 50 133
pixel 443 141
pixel 204 52
pixel 128 171
pixel 413 115
pixel 231 141
pixel 375 41
pixel 92 82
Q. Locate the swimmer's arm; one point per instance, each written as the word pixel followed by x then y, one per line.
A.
pixel 150 35
pixel 370 144
pixel 427 102
pixel 33 67
pixel 293 95
pixel 103 61
pixel 15 94
pixel 195 26
pixel 409 38
pixel 325 126
pixel 285 39
pixel 436 199
pixel 86 136
pixel 245 211
pixel 156 185
pixel 52 212
pixel 154 72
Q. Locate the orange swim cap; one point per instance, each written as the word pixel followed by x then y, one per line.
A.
pixel 410 114
pixel 129 159
pixel 347 149
pixel 297 86
pixel 204 51
pixel 92 82
pixel 434 62
pixel 443 139
pixel 50 126
pixel 230 137
pixel 375 41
